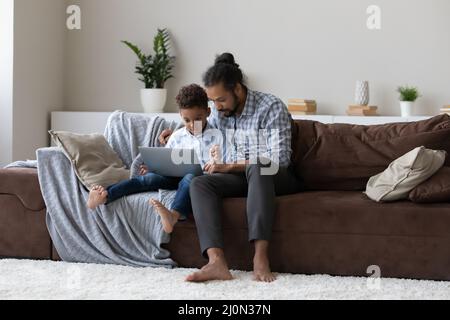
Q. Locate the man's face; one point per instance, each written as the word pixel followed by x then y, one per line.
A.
pixel 195 119
pixel 225 101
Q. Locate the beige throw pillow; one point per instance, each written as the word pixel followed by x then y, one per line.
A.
pixel 404 174
pixel 93 159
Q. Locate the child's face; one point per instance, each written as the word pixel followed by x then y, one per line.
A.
pixel 195 119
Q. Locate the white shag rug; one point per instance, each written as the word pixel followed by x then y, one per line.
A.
pixel 26 279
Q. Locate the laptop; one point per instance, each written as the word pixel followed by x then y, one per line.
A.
pixel 171 162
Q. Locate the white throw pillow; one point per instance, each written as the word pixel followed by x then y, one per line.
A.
pixel 404 174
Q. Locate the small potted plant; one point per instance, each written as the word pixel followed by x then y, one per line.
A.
pixel 154 70
pixel 408 95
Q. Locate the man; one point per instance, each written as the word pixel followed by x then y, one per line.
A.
pixel 240 113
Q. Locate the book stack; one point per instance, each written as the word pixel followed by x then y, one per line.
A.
pixel 445 109
pixel 359 110
pixel 302 107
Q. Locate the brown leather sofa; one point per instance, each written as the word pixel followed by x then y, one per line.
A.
pixel 23 232
pixel 331 228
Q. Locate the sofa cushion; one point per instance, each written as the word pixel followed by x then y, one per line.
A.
pixel 344 156
pixel 24 184
pixel 435 189
pixel 334 232
pixel 404 174
pixel 93 159
pixel 343 212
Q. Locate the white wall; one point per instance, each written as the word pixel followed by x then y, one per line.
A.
pixel 39 36
pixel 292 48
pixel 6 79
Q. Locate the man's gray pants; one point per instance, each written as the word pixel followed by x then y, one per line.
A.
pixel 207 192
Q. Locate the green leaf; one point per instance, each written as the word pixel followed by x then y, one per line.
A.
pixel 135 49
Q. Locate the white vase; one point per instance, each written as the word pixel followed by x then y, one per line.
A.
pixel 153 100
pixel 406 108
pixel 362 93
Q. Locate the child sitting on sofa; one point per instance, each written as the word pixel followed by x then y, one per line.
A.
pixel 198 135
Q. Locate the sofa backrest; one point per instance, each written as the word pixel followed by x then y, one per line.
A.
pixel 345 156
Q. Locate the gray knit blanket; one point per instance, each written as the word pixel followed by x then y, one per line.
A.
pixel 125 232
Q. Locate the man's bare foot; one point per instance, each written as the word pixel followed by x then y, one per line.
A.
pixel 168 218
pixel 261 270
pixel 97 196
pixel 212 271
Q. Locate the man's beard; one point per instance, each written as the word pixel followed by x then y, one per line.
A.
pixel 236 106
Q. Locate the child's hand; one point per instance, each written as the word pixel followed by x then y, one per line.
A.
pixel 143 170
pixel 215 154
pixel 164 136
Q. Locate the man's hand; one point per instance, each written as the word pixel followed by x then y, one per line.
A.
pixel 212 167
pixel 215 154
pixel 143 170
pixel 164 136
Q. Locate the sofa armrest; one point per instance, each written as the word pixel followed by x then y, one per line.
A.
pixel 24 184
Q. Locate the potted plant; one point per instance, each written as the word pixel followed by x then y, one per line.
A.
pixel 155 70
pixel 408 95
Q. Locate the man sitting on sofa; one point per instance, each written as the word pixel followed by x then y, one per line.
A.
pixel 240 113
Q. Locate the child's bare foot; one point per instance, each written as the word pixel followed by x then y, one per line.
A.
pixel 168 218
pixel 97 196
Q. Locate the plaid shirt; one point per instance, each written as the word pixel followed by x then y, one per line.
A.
pixel 201 143
pixel 263 129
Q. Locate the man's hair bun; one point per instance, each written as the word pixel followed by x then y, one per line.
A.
pixel 226 58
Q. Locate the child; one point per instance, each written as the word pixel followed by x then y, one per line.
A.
pixel 198 135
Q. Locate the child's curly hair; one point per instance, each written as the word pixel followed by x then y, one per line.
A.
pixel 192 96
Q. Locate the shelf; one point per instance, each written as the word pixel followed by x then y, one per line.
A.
pixel 95 122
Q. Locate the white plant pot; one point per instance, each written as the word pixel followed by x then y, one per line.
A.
pixel 406 108
pixel 153 100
